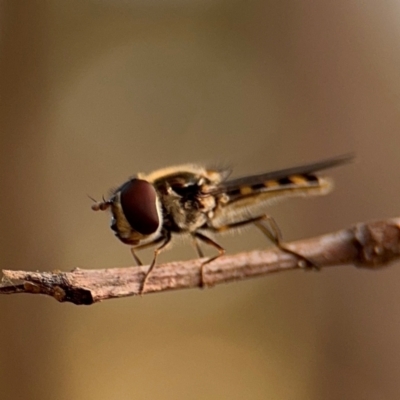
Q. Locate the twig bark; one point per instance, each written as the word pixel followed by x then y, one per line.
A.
pixel 367 245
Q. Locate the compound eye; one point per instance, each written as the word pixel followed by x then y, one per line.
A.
pixel 139 204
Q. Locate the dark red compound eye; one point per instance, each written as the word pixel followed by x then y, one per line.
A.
pixel 138 202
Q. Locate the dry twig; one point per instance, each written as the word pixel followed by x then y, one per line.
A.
pixel 368 245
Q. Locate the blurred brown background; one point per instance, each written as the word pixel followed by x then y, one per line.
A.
pixel 94 91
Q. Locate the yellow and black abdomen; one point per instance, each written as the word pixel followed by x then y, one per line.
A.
pixel 293 185
pixel 249 197
pixel 248 201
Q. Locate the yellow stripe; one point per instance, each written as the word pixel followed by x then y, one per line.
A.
pixel 298 179
pixel 246 190
pixel 269 184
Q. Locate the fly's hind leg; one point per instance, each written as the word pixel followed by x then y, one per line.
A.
pixel 274 234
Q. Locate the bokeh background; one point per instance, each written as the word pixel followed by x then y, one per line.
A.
pixel 95 91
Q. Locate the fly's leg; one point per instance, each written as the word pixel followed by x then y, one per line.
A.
pixel 197 246
pixel 136 258
pixel 274 234
pixel 157 251
pixel 211 242
pixel 144 246
pixel 165 238
pixel 207 240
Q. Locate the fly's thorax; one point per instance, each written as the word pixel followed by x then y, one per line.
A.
pixel 136 211
pixel 185 193
pixel 186 211
pixel 191 173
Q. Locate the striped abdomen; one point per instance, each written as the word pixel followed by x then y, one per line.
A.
pixel 271 188
pixel 249 196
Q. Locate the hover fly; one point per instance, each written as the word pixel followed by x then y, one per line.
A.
pixel 189 199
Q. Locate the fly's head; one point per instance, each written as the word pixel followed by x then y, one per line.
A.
pixel 176 199
pixel 136 211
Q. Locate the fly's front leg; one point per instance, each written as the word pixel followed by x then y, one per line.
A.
pixel 274 234
pixel 165 238
pixel 136 258
pixel 157 251
pixel 144 246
